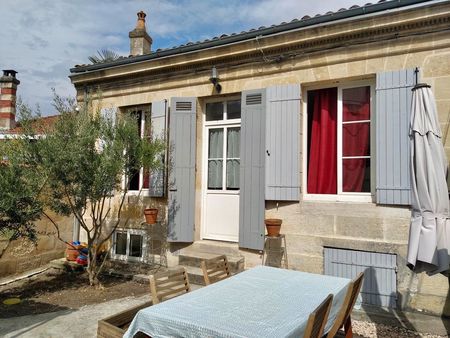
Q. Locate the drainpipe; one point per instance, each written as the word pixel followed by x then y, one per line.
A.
pixel 75 230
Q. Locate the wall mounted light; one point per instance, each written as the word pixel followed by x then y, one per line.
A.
pixel 215 79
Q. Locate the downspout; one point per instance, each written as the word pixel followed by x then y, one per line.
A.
pixel 75 230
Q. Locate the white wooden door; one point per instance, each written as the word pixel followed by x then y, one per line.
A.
pixel 221 171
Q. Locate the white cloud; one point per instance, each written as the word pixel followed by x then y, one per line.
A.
pixel 43 39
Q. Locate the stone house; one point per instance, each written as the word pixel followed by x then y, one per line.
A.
pixel 22 255
pixel 307 121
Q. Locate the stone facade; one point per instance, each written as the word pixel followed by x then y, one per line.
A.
pixel 322 55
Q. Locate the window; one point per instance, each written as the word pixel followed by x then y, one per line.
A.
pixel 129 244
pixel 151 122
pixel 223 135
pixel 338 143
pixel 140 178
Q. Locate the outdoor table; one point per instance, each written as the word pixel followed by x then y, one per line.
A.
pixel 260 302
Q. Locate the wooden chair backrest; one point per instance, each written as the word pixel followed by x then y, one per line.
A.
pixel 215 269
pixel 348 304
pixel 318 318
pixel 169 284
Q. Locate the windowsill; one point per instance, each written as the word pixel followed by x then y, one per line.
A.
pixel 124 258
pixel 357 198
pixel 144 193
pixel 223 192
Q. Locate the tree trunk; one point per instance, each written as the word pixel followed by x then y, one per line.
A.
pixel 92 267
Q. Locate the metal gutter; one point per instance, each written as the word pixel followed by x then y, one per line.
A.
pixel 282 28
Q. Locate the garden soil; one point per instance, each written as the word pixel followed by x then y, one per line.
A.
pixel 55 290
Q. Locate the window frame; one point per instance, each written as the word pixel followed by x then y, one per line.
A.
pixel 146 109
pixel 223 124
pixel 127 257
pixel 340 196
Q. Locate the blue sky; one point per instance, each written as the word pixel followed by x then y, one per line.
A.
pixel 43 39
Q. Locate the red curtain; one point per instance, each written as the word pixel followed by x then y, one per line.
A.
pixel 322 166
pixel 356 139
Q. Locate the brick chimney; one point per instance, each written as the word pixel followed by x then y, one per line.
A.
pixel 140 41
pixel 8 87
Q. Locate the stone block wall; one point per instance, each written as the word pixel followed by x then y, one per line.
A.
pixel 23 255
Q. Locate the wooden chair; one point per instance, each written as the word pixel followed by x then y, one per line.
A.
pixel 318 318
pixel 343 318
pixel 169 284
pixel 215 269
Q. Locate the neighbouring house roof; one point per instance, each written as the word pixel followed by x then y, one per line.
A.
pixel 306 21
pixel 41 124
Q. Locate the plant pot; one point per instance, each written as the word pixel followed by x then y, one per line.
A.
pixel 72 251
pixel 151 215
pixel 72 254
pixel 273 226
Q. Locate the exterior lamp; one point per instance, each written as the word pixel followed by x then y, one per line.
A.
pixel 215 79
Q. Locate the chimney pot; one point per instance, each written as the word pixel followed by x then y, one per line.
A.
pixel 140 41
pixel 9 72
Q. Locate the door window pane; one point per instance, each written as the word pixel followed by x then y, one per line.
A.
pixel 233 160
pixel 121 243
pixel 234 109
pixel 356 175
pixel 356 139
pixel 214 111
pixel 356 104
pixel 135 245
pixel 215 158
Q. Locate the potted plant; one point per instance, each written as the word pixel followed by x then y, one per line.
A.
pixel 273 226
pixel 151 214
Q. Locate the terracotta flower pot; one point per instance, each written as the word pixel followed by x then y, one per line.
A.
pixel 273 226
pixel 151 215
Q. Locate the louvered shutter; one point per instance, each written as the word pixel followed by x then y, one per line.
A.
pixel 252 174
pixel 393 109
pixel 282 143
pixel 158 123
pixel 182 138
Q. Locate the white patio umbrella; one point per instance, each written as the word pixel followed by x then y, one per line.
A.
pixel 429 236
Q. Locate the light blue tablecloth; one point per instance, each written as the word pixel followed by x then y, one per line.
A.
pixel 260 302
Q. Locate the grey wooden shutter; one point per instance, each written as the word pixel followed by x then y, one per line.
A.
pixel 182 138
pixel 158 123
pixel 380 276
pixel 282 143
pixel 393 109
pixel 252 175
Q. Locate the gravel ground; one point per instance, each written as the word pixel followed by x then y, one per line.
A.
pixel 372 330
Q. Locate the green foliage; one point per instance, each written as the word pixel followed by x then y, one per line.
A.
pixel 104 55
pixel 19 205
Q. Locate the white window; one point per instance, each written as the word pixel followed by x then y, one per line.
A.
pixel 222 121
pixel 339 131
pixel 129 245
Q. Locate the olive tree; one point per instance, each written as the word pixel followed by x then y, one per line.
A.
pixel 84 162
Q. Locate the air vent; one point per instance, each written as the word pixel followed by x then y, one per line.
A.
pixel 183 106
pixel 253 99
